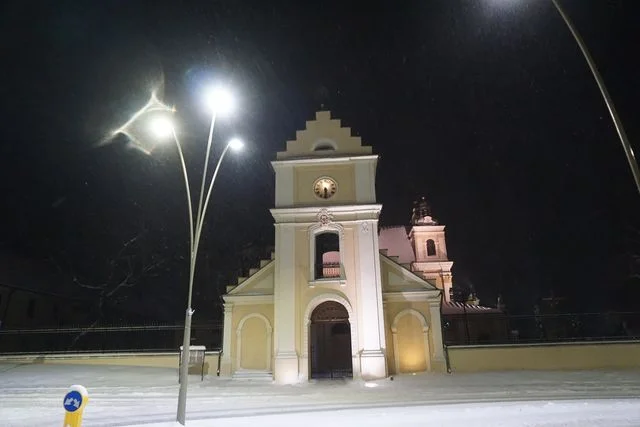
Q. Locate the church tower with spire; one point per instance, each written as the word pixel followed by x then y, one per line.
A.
pixel 427 238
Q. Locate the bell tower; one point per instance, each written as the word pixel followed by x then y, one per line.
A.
pixel 326 251
pixel 427 238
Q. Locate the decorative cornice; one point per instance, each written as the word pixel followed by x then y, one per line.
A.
pixel 425 229
pixel 335 213
pixel 338 281
pixel 412 296
pixel 324 160
pixel 248 299
pixel 432 266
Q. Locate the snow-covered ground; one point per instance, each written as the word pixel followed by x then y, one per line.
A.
pixel 31 395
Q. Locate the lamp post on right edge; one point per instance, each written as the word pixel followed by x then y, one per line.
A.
pixel 622 135
pixel 624 140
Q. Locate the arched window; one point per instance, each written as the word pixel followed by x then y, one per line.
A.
pixel 327 259
pixel 431 247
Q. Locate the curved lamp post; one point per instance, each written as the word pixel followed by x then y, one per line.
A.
pixel 220 102
pixel 626 145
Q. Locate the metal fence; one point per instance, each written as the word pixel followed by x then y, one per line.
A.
pixel 458 329
pixel 500 328
pixel 104 339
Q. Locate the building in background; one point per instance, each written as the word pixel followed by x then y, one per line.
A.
pixel 421 248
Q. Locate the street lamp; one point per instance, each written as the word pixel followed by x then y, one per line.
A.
pixel 624 140
pixel 220 102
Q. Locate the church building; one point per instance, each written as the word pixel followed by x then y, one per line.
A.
pixel 339 296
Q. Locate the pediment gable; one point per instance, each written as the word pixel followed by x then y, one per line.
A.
pixel 396 278
pixel 324 137
pixel 259 283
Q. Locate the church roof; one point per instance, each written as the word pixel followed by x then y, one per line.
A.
pixel 396 241
pixel 461 308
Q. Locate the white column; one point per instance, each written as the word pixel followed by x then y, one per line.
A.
pixel 284 305
pixel 372 359
pixel 436 331
pixel 225 363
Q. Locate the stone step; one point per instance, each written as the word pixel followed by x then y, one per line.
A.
pixel 241 279
pixel 253 271
pixel 273 254
pixel 407 266
pixel 250 375
pixel 230 288
pixel 264 262
pixel 394 258
pixel 384 251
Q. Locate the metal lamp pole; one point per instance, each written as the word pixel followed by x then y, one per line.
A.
pixel 221 101
pixel 195 231
pixel 626 145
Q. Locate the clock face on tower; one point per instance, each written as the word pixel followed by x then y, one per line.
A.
pixel 325 188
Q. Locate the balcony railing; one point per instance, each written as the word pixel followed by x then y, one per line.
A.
pixel 327 271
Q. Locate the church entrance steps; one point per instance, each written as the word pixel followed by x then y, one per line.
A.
pixel 251 375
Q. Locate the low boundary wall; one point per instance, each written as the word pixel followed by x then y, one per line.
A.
pixel 547 356
pixel 155 360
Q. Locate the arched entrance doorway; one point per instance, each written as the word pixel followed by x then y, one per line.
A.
pixel 330 341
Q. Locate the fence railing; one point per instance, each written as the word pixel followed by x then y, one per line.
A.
pixel 112 338
pixel 458 329
pixel 499 328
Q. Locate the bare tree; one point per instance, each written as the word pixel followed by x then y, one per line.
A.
pixel 128 268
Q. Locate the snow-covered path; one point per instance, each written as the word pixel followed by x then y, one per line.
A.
pixel 32 395
pixel 596 413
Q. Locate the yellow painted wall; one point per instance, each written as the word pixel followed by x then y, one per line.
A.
pixel 306 175
pixel 545 357
pixel 155 360
pixel 410 335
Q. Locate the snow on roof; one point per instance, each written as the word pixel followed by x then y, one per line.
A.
pixel 396 241
pixel 460 308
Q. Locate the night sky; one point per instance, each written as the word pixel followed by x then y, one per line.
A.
pixel 486 107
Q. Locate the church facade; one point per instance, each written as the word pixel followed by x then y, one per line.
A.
pixel 339 297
